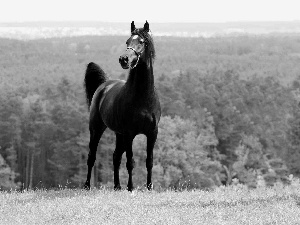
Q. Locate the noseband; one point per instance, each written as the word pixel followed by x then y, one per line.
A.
pixel 138 55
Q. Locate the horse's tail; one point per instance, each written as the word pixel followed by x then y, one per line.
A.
pixel 94 77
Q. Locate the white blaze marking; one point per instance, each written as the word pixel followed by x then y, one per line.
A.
pixel 135 37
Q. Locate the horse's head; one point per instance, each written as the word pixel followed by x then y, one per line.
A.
pixel 139 46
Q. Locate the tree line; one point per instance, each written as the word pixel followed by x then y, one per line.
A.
pixel 230 110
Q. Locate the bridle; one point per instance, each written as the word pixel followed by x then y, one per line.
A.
pixel 138 55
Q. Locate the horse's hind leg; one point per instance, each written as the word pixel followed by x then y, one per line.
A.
pixel 151 138
pixel 95 135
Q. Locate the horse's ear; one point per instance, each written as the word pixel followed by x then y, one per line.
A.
pixel 146 26
pixel 132 26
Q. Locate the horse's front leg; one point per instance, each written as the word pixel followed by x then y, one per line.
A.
pixel 117 157
pixel 130 161
pixel 151 139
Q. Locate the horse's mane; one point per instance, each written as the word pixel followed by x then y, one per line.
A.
pixel 150 50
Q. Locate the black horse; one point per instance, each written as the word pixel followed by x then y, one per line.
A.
pixel 128 108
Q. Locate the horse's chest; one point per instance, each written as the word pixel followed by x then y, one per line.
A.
pixel 143 121
pixel 143 115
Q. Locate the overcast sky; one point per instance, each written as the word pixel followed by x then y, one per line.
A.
pixel 152 10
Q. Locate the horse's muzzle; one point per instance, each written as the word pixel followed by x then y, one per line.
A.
pixel 124 61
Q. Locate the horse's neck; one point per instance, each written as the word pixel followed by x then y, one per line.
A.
pixel 141 81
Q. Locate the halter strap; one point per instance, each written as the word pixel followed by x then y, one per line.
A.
pixel 138 55
pixel 133 50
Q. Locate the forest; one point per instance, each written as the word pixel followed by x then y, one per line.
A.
pixel 230 112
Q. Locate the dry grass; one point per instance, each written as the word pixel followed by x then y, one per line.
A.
pixel 230 205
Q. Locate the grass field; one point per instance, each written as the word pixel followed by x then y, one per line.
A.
pixel 225 205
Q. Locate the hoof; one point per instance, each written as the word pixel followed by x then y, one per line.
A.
pixel 117 188
pixel 150 187
pixel 130 189
pixel 87 187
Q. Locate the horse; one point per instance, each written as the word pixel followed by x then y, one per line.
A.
pixel 128 107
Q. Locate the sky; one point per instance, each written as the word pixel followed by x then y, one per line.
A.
pixel 151 10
